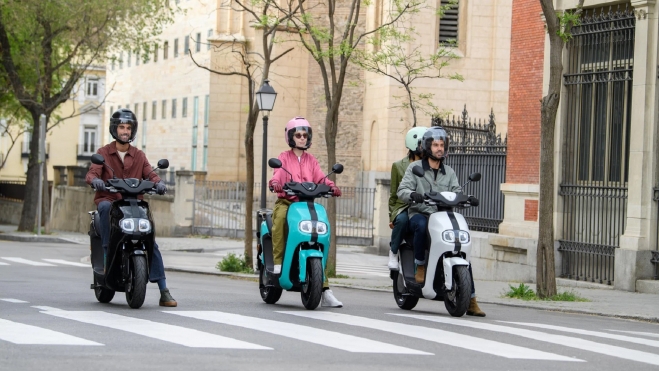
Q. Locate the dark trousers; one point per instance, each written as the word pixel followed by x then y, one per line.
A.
pixel 399 231
pixel 157 271
pixel 419 226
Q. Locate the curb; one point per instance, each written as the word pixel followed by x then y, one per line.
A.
pixel 29 238
pixel 563 310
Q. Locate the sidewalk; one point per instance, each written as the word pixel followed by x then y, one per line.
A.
pixel 196 254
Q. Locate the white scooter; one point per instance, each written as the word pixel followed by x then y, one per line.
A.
pixel 449 246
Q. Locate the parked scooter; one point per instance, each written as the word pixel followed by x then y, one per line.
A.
pixel 447 275
pixel 132 236
pixel 307 243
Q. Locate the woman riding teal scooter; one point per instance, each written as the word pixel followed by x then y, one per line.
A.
pixel 298 181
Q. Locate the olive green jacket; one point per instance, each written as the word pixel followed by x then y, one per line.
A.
pixel 396 206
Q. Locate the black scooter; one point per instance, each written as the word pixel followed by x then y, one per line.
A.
pixel 132 236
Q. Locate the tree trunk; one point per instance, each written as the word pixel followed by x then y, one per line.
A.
pixel 331 124
pixel 29 213
pixel 249 194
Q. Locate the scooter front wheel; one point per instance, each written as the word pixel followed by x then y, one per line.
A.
pixel 456 301
pixel 138 280
pixel 270 295
pixel 404 301
pixel 103 295
pixel 313 287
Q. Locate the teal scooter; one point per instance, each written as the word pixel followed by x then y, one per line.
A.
pixel 307 243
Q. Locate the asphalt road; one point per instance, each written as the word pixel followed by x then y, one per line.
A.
pixel 50 319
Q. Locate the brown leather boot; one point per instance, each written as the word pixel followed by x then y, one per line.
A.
pixel 474 310
pixel 166 299
pixel 420 274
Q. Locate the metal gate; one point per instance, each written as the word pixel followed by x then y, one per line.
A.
pixel 476 147
pixel 598 81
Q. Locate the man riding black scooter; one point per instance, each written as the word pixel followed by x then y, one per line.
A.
pixel 127 162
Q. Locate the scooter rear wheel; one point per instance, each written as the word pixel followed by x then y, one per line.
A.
pixel 457 301
pixel 407 302
pixel 270 295
pixel 313 288
pixel 103 295
pixel 138 280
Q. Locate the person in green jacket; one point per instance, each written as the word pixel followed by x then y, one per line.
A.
pixel 398 218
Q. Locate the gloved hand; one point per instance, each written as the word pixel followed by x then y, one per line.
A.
pixel 277 187
pixel 473 201
pixel 335 191
pixel 161 188
pixel 98 185
pixel 417 198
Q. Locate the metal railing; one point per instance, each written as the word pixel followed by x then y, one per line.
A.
pixel 655 254
pixel 219 209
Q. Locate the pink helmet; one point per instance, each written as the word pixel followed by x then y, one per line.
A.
pixel 297 124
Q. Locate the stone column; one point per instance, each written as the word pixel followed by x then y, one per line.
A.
pixel 184 201
pixel 382 232
pixel 632 259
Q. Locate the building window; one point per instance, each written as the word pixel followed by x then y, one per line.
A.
pixel 165 50
pixel 210 34
pixel 175 48
pixel 130 56
pixel 155 53
pixel 136 106
pixel 174 108
pixel 198 46
pixel 92 87
pixel 448 24
pixel 143 136
pixel 186 45
pixel 111 110
pixel 144 111
pixel 121 60
pixel 154 106
pixel 114 61
pixel 137 57
pixel 164 109
pixel 206 113
pixel 89 141
pixel 195 127
pixel 184 108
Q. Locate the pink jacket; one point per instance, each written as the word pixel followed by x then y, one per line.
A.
pixel 304 170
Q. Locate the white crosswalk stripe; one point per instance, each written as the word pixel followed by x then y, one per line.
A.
pixel 610 350
pixel 19 333
pixel 170 333
pixel 3 263
pixel 28 262
pixel 65 262
pixel 380 271
pixel 305 333
pixel 629 339
pixel 438 336
pixel 10 300
pixel 650 334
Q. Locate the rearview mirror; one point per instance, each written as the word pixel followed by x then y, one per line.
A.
pixel 418 171
pixel 97 159
pixel 163 164
pixel 475 177
pixel 274 163
pixel 337 168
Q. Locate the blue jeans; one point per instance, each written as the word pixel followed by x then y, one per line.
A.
pixel 399 231
pixel 419 226
pixel 157 271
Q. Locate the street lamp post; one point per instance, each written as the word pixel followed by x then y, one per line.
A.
pixel 265 98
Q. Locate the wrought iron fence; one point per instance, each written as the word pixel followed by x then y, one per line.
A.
pixel 219 209
pixel 655 254
pixel 474 146
pixel 598 81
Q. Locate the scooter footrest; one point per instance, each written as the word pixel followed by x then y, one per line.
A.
pixel 92 286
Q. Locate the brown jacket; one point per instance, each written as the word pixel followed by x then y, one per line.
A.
pixel 135 165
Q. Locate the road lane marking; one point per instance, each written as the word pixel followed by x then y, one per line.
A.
pixel 60 261
pixel 651 334
pixel 29 262
pixel 305 333
pixel 438 336
pixel 19 333
pixel 161 331
pixel 14 300
pixel 567 341
pixel 629 339
pixel 3 263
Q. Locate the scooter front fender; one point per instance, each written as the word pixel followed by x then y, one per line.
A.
pixel 449 263
pixel 304 256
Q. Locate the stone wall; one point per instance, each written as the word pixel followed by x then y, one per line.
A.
pixel 10 211
pixel 71 204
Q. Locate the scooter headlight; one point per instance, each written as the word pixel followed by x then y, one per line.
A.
pixel 451 236
pixel 321 228
pixel 307 226
pixel 127 225
pixel 144 225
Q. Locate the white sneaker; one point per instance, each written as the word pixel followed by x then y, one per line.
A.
pixel 393 261
pixel 328 300
pixel 276 269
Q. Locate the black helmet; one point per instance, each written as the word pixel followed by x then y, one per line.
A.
pixel 432 134
pixel 123 116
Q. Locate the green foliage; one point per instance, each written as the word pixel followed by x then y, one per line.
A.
pixel 524 292
pixel 234 263
pixel 566 21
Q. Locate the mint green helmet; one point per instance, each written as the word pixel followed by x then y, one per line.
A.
pixel 413 137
